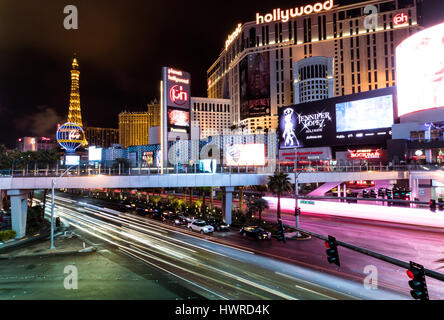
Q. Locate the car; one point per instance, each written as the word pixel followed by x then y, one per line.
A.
pixel 180 221
pixel 142 210
pixel 125 205
pixel 169 216
pixel 200 226
pixel 255 232
pixel 218 225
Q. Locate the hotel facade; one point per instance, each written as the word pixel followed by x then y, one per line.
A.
pixel 257 67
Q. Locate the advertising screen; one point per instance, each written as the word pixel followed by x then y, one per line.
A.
pixel 72 160
pixel 363 118
pixel 366 114
pixel 94 154
pixel 245 155
pixel 147 158
pixel 420 71
pixel 254 78
pixel 178 118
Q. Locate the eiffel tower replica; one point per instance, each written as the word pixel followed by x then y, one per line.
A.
pixel 75 113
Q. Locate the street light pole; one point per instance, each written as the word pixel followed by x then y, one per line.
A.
pixel 296 191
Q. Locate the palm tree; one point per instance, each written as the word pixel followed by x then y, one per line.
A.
pixel 278 184
pixel 259 205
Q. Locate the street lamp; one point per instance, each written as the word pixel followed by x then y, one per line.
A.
pixel 53 205
pixel 296 192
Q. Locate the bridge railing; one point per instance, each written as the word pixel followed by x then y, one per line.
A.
pixel 87 169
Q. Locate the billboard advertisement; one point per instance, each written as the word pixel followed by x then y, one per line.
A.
pixel 420 71
pixel 245 155
pixel 355 119
pixel 94 154
pixel 72 160
pixel 365 114
pixel 178 118
pixel 147 158
pixel 254 79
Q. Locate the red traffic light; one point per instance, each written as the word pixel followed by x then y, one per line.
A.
pixel 327 245
pixel 410 274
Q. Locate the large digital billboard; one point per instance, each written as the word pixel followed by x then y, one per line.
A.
pixel 245 155
pixel 364 118
pixel 178 118
pixel 420 71
pixel 254 79
pixel 366 114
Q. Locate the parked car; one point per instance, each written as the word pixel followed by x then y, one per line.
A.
pixel 142 210
pixel 125 205
pixel 255 232
pixel 200 226
pixel 218 225
pixel 169 216
pixel 156 215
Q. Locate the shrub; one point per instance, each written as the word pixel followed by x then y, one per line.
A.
pixel 6 235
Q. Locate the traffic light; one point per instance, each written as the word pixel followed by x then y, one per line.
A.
pixel 418 283
pixel 332 251
pixel 381 193
pixel 280 232
pixel 432 204
pixel 298 212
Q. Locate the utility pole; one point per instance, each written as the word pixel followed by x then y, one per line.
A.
pixel 296 192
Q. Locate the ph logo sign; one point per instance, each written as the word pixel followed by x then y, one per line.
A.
pixel 400 19
pixel 178 95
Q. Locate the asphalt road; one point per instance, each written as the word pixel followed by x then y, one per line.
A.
pixel 223 271
pixel 105 274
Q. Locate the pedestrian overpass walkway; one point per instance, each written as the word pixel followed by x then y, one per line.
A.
pixel 184 180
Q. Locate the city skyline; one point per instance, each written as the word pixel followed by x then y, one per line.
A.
pixel 116 74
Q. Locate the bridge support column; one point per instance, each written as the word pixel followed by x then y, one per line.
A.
pixel 19 207
pixel 227 203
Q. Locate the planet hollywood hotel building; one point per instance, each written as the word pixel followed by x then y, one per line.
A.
pixel 256 68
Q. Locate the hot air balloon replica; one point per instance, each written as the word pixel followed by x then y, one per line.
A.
pixel 70 136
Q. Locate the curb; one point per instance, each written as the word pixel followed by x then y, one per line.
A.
pixel 49 254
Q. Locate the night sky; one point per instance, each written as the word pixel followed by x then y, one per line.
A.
pixel 121 46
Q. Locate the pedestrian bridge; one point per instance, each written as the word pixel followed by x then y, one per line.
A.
pixel 184 180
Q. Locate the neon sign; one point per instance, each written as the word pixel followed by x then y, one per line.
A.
pixel 175 76
pixel 400 19
pixel 178 95
pixel 233 36
pixel 365 154
pixel 285 15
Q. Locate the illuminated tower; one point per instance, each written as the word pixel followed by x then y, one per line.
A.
pixel 75 113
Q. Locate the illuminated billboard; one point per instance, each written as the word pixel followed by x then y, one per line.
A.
pixel 245 155
pixel 366 114
pixel 94 154
pixel 71 160
pixel 178 88
pixel 363 118
pixel 420 71
pixel 178 118
pixel 254 79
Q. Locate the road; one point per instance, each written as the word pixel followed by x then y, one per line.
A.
pixel 215 270
pixel 423 245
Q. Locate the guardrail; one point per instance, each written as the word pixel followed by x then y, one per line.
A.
pixel 87 169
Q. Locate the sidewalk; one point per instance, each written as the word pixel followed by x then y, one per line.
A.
pixel 64 245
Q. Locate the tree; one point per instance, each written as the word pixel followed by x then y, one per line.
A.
pixel 278 184
pixel 258 205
